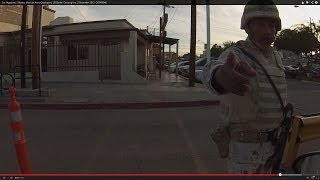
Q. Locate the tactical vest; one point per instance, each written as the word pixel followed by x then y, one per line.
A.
pixel 260 109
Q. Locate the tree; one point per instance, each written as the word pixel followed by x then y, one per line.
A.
pixel 316 30
pixel 301 39
pixel 186 56
pixel 287 40
pixel 228 44
pixel 216 50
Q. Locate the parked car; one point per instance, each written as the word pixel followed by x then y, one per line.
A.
pixel 172 67
pixel 199 65
pixel 166 64
pixel 308 71
pixel 184 70
pixel 198 75
pixel 291 71
pixel 315 73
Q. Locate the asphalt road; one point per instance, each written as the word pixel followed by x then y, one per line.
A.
pixel 124 141
pixel 304 95
pixel 128 141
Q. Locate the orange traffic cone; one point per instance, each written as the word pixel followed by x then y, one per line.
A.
pixel 18 133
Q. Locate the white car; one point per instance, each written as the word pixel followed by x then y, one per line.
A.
pixel 199 65
pixel 199 75
pixel 184 70
pixel 172 67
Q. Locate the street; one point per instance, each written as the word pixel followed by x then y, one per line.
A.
pixel 174 140
pixel 124 141
pixel 304 95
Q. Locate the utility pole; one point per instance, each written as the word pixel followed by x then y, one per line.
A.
pixel 36 45
pixel 177 51
pixel 192 43
pixel 208 32
pixel 163 23
pixel 165 20
pixel 160 49
pixel 23 46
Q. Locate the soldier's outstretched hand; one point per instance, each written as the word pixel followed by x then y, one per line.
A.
pixel 234 76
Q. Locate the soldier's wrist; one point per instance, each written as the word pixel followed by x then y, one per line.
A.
pixel 215 81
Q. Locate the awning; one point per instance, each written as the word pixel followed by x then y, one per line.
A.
pixel 156 39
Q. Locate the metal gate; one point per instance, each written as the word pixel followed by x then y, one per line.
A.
pixel 103 56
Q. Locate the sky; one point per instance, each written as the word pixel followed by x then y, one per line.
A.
pixel 224 20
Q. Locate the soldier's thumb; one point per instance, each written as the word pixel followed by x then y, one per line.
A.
pixel 231 60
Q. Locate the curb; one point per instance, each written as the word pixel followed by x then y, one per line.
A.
pixel 311 82
pixel 141 105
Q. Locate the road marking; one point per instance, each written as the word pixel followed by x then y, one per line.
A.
pixel 201 168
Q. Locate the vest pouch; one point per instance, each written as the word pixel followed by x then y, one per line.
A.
pixel 272 71
pixel 221 136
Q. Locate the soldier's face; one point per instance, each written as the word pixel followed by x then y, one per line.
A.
pixel 262 30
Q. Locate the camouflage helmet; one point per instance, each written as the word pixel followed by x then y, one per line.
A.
pixel 256 9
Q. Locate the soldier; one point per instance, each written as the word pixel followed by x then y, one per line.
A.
pixel 249 107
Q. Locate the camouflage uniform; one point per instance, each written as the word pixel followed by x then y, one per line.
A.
pixel 249 118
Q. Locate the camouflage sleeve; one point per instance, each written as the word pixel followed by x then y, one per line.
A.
pixel 211 67
pixel 208 71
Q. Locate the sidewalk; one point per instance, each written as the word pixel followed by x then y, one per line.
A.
pixel 170 91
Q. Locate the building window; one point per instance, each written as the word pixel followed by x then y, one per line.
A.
pixel 78 52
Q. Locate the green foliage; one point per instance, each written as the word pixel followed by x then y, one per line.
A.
pixel 228 44
pixel 186 56
pixel 301 39
pixel 216 50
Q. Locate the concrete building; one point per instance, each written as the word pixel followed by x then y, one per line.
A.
pixel 11 16
pixel 110 50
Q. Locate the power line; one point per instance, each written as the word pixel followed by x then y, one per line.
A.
pixel 173 15
pixel 217 28
pixel 76 14
pixel 137 12
pixel 80 13
pixel 156 19
pixel 178 34
pixel 130 12
pixel 181 20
